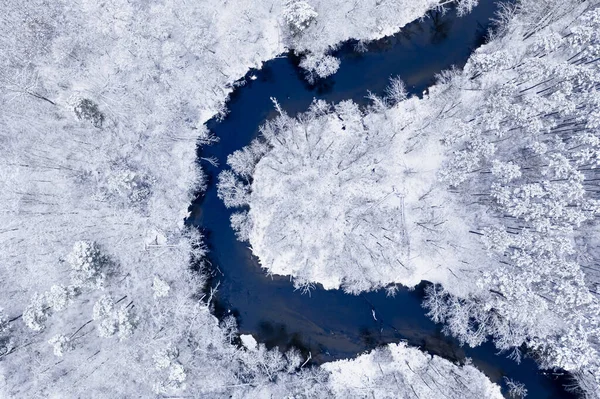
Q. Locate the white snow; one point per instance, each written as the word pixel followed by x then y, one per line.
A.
pixel 249 341
pixel 397 370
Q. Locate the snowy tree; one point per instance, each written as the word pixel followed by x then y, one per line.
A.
pixel 103 307
pixel 465 6
pixel 107 327
pixel 61 344
pixel 230 328
pixel 88 110
pixel 298 15
pixel 241 224
pixel 126 322
pixel 232 191
pixel 104 313
pixel 59 297
pixel 505 171
pixel 174 378
pixel 36 313
pixel 435 302
pixel 126 186
pixel 396 91
pixel 111 321
pixel 164 357
pixel 243 161
pixel 3 322
pixel 88 265
pixel 516 389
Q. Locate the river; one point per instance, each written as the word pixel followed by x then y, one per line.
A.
pixel 330 324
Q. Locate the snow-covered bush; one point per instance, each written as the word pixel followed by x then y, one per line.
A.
pixel 319 66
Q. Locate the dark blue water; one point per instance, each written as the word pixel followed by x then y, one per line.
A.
pixel 330 324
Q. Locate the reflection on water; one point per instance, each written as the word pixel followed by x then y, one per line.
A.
pixel 330 324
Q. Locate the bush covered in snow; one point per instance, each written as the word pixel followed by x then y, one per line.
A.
pixel 319 66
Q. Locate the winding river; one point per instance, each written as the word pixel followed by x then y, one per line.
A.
pixel 330 324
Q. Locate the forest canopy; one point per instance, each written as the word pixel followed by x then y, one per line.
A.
pixel 487 186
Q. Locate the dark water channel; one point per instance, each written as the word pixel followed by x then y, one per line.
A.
pixel 330 324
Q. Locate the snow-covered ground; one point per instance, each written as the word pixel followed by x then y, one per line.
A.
pixel 398 371
pixel 102 105
pixel 486 187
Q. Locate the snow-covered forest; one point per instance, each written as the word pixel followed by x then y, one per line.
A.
pixel 102 105
pixel 486 186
